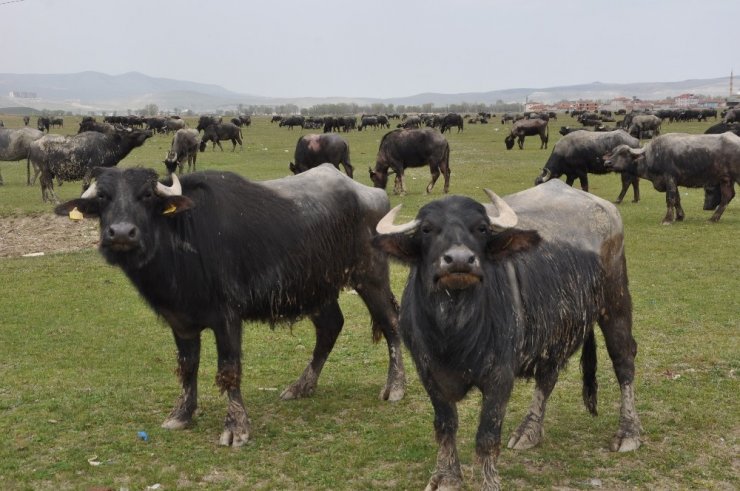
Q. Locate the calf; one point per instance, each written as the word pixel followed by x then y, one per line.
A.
pixel 527 127
pixel 217 249
pixel 184 147
pixel 512 289
pixel 679 159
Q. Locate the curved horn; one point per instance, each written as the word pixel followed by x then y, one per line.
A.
pixel 637 151
pixel 174 190
pixel 90 191
pixel 386 226
pixel 499 212
pixel 546 175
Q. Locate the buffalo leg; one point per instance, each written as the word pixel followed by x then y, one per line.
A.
pixel 583 179
pixel 188 360
pixel 727 190
pixel 446 173
pixel 570 179
pixel 447 474
pixel 616 324
pixel 328 324
pixel 228 379
pixel 434 169
pixel 488 439
pixel 531 430
pixel 671 200
pixel 383 308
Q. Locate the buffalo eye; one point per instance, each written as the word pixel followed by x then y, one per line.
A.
pixel 483 229
pixel 426 229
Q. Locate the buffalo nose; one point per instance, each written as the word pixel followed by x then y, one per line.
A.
pixel 125 234
pixel 458 256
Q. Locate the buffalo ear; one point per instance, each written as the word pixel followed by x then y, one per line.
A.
pixel 88 207
pixel 403 247
pixel 172 205
pixel 510 242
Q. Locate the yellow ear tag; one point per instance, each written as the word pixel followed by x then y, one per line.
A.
pixel 75 214
pixel 170 210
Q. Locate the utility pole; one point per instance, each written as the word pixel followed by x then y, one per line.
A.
pixel 732 76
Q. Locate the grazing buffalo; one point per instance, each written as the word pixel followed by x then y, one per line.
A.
pixel 644 126
pixel 291 121
pixel 56 122
pixel 410 122
pixel 527 127
pixel 206 121
pixel 70 158
pixel 276 119
pixel 313 150
pixel 26 120
pixel 678 159
pixel 366 121
pixel 506 290
pixel 450 120
pixel 222 131
pixel 172 125
pixel 580 153
pixel 15 145
pixel 184 147
pixel 400 149
pixel 216 249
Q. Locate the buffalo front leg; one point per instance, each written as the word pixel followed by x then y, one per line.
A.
pixel 435 175
pixel 447 475
pixel 672 203
pixel 488 439
pixel 328 324
pixel 188 359
pixel 228 379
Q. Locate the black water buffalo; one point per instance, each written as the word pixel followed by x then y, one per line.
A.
pixel 509 290
pixel 43 123
pixel 206 121
pixel 723 127
pixel 450 120
pixel 291 121
pixel 580 153
pixel 401 148
pixel 527 127
pixel 92 125
pixel 184 148
pixel 70 158
pixel 276 119
pixel 26 120
pixel 410 122
pixel 366 121
pixel 15 145
pixel 313 150
pixel 678 159
pixel 217 249
pixel 644 124
pixel 56 122
pixel 222 131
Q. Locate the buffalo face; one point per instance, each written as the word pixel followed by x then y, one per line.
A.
pixel 130 204
pixel 509 141
pixel 712 197
pixel 452 239
pixel 379 178
pixel 623 159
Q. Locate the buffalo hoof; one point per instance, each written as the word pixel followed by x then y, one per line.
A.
pixel 176 424
pixel 234 438
pixel 625 442
pixel 446 483
pixel 392 394
pixel 298 390
pixel 528 435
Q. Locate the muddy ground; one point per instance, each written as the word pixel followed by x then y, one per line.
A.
pixel 45 233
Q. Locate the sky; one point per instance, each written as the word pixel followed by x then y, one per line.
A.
pixel 378 48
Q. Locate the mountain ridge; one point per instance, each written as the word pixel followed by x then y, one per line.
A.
pixel 96 91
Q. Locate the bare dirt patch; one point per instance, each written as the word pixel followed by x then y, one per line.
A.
pixel 45 233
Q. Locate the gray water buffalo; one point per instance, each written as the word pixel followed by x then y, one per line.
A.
pixel 184 148
pixel 527 127
pixel 679 159
pixel 314 149
pixel 15 145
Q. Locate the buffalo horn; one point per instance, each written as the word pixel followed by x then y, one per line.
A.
pixel 386 226
pixel 90 192
pixel 174 190
pixel 500 214
pixel 546 174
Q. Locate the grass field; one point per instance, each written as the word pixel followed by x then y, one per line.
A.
pixel 85 365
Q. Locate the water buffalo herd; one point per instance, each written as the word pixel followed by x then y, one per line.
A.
pixel 506 289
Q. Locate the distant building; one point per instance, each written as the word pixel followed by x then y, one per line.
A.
pixel 686 100
pixel 16 94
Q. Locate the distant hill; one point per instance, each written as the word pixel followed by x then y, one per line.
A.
pixel 94 91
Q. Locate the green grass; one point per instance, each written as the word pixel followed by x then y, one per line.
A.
pixel 85 364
